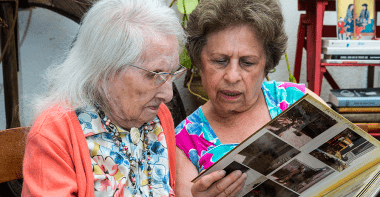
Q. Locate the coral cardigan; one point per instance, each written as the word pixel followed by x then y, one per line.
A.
pixel 57 160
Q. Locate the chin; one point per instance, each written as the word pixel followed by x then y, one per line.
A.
pixel 149 117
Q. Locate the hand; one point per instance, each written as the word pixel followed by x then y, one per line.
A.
pixel 215 184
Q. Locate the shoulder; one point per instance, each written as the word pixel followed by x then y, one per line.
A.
pixel 280 95
pixel 287 86
pixel 55 123
pixel 278 91
pixel 193 122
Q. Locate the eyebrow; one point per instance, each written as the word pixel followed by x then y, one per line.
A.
pixel 161 71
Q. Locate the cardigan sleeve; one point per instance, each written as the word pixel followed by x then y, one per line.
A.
pixel 57 160
pixel 48 171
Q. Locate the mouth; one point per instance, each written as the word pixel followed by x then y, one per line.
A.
pixel 230 95
pixel 154 108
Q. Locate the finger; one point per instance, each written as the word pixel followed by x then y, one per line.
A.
pixel 205 182
pixel 227 185
pixel 238 189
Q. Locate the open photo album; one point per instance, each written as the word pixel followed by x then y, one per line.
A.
pixel 307 150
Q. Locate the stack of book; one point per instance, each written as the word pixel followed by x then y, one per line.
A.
pixel 360 106
pixel 351 51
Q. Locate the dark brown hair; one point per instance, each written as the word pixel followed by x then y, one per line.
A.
pixel 263 16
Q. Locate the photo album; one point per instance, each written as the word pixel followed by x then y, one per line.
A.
pixel 307 150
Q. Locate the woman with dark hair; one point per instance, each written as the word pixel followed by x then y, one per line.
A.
pixel 234 44
pixel 349 13
pixel 364 14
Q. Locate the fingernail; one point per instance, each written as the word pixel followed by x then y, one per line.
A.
pixel 222 173
pixel 238 172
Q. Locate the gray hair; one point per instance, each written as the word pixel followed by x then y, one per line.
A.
pixel 113 34
pixel 263 16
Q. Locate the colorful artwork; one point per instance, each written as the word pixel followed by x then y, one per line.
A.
pixel 364 19
pixel 356 19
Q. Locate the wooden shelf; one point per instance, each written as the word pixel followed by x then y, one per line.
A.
pixel 310 33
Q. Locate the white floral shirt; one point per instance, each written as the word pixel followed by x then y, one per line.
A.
pixel 111 167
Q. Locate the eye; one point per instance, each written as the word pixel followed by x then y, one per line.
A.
pixel 150 75
pixel 247 63
pixel 221 61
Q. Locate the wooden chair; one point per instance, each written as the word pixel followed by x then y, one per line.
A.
pixel 12 148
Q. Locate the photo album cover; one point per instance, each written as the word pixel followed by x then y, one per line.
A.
pixel 307 150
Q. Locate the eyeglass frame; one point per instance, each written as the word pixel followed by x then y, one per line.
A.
pixel 173 73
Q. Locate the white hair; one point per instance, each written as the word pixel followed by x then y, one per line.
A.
pixel 110 37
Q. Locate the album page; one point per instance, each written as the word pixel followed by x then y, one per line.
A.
pixel 307 150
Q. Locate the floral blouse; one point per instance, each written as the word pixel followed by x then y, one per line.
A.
pixel 111 167
pixel 196 138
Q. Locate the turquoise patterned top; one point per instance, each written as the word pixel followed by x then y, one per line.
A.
pixel 111 168
pixel 196 138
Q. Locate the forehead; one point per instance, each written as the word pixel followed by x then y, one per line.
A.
pixel 160 52
pixel 241 37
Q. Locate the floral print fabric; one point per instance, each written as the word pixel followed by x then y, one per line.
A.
pixel 111 168
pixel 196 138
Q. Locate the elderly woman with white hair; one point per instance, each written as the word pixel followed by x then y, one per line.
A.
pixel 101 128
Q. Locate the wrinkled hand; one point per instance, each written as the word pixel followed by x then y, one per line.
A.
pixel 215 184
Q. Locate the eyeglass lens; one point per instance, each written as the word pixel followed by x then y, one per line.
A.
pixel 160 79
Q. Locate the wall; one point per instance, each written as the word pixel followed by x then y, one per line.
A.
pixel 49 37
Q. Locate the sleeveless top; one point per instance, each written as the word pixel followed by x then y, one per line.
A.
pixel 196 138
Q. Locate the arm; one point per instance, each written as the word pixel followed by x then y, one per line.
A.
pixel 210 185
pixel 48 170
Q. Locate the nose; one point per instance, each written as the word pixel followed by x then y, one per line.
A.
pixel 166 91
pixel 233 72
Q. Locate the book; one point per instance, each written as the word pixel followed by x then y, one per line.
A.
pixel 371 127
pixel 364 127
pixel 351 51
pixel 352 57
pixel 357 186
pixel 362 117
pixel 307 150
pixel 338 61
pixel 357 109
pixel 363 97
pixel 350 43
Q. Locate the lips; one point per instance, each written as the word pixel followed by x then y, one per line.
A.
pixel 153 107
pixel 230 95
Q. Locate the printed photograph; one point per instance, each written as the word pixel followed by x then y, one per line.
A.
pixel 252 184
pixel 235 166
pixel 270 189
pixel 330 160
pixel 266 154
pixel 301 124
pixel 347 146
pixel 299 176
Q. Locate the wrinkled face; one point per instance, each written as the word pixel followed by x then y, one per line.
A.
pixel 133 99
pixel 233 62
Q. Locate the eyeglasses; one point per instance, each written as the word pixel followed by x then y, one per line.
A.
pixel 161 77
